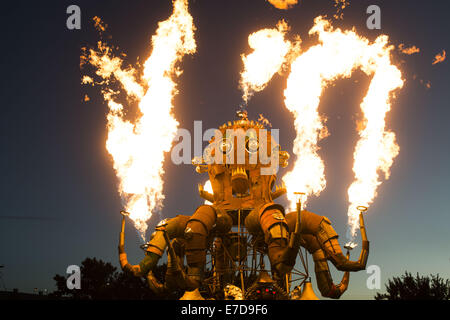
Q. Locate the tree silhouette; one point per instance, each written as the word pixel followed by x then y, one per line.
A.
pixel 101 281
pixel 408 287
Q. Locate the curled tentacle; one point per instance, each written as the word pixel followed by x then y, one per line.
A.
pixel 329 243
pixel 155 248
pixel 124 264
pixel 161 239
pixel 324 280
pixel 323 276
pixel 321 228
pixel 320 239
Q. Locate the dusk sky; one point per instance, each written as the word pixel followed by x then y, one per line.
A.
pixel 59 190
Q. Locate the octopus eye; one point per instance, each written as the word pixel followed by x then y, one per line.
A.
pixel 252 145
pixel 225 146
pixel 208 153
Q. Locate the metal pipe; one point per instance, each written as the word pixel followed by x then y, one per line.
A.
pixel 124 264
pixel 294 241
pixel 239 252
pixel 171 252
pixel 122 255
pixel 364 255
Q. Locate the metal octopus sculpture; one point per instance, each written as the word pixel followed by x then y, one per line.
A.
pixel 241 227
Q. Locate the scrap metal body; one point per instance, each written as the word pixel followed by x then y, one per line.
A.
pixel 242 222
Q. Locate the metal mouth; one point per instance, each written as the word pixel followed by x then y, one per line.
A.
pixel 238 171
pixel 239 180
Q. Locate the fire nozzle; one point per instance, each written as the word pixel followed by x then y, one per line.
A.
pixel 349 246
pixel 362 209
pixel 365 243
pixel 122 255
pixel 360 264
pixel 362 261
pixel 295 236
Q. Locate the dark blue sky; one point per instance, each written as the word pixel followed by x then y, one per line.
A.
pixel 58 192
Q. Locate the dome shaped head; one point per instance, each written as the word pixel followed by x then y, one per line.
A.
pixel 242 148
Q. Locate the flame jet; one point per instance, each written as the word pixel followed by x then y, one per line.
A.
pixel 138 148
pixel 270 51
pixel 337 55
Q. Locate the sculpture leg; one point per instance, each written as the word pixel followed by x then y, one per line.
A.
pixel 197 230
pixel 276 234
pixel 157 244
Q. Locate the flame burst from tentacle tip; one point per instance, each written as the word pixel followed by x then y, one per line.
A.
pixel 137 148
pixel 337 55
pixel 270 50
pixel 208 188
pixel 283 4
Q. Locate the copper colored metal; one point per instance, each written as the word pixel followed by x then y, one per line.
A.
pixel 242 198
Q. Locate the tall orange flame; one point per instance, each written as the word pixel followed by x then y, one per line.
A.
pixel 138 148
pixel 337 55
pixel 270 50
